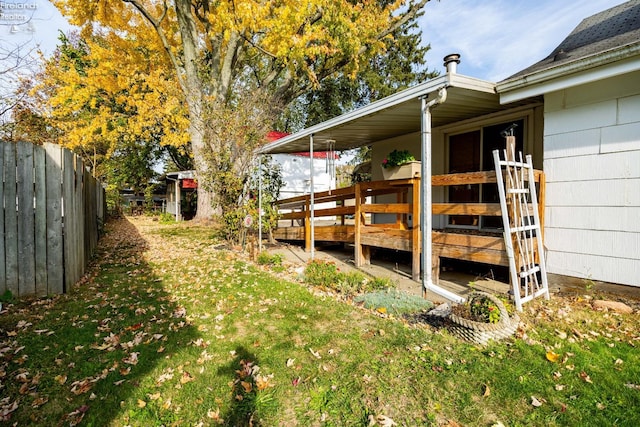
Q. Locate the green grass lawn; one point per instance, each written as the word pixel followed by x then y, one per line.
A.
pixel 169 329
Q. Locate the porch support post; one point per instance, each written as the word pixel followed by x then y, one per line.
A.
pixel 178 197
pixel 259 203
pixel 426 220
pixel 415 232
pixel 311 197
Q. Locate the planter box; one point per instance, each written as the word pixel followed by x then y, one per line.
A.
pixel 406 171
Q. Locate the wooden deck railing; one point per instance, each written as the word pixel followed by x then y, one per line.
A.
pixel 352 224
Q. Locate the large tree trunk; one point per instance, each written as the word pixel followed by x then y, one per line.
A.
pixel 206 197
pixel 193 88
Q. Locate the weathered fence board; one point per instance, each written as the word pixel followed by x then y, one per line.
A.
pixel 26 220
pixel 79 211
pixel 39 164
pixel 50 211
pixel 55 262
pixel 10 219
pixel 68 198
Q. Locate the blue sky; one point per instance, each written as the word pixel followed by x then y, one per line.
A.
pixel 496 38
pixel 40 28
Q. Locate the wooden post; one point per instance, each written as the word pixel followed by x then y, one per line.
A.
pixel 361 251
pixel 416 244
pixel 307 225
pixel 542 183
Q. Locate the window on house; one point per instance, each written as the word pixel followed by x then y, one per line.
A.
pixel 471 152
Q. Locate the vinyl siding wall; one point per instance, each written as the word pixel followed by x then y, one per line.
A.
pixel 592 166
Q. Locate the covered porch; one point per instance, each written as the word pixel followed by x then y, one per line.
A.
pixel 420 208
pixel 350 222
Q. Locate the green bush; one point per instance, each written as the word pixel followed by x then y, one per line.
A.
pixel 327 275
pixel 322 274
pixel 394 302
pixel 166 218
pixel 265 258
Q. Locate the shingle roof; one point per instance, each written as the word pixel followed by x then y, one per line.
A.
pixel 610 29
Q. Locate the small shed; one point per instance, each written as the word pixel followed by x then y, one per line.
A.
pixel 182 193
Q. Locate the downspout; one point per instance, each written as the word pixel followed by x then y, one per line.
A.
pixel 426 199
pixel 312 206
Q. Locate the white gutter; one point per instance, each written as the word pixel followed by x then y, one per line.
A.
pixel 574 73
pixel 426 216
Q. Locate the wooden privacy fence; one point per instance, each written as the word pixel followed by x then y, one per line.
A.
pixel 51 211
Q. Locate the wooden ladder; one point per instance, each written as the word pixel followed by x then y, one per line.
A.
pixel 522 232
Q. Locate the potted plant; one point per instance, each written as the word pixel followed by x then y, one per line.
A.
pixel 400 164
pixel 481 318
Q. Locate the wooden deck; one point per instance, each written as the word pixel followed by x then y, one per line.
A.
pixel 352 224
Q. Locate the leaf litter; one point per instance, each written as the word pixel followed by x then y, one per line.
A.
pixel 123 325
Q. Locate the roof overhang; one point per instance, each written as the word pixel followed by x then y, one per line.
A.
pixel 191 174
pixel 396 115
pixel 607 64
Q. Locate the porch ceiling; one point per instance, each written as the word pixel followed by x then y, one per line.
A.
pixel 396 115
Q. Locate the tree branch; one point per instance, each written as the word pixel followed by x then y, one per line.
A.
pixel 156 24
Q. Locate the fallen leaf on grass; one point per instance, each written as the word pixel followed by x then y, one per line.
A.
pixel 132 359
pixel 315 353
pixel 381 420
pixel 141 403
pixel 585 377
pixel 535 402
pixel 6 408
pixel 246 386
pixel 263 381
pixel 215 416
pixel 290 362
pixel 633 386
pixel 487 391
pixel 39 402
pixel 186 378
pixel 552 357
pixel 81 387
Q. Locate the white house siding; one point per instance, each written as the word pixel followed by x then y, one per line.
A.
pixel 592 166
pixel 295 174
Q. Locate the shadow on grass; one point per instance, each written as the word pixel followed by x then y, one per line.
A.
pixel 243 406
pixel 80 356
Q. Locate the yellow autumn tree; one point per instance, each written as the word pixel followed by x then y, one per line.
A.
pixel 220 51
pixel 100 102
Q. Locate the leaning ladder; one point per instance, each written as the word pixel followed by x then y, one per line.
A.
pixel 522 233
